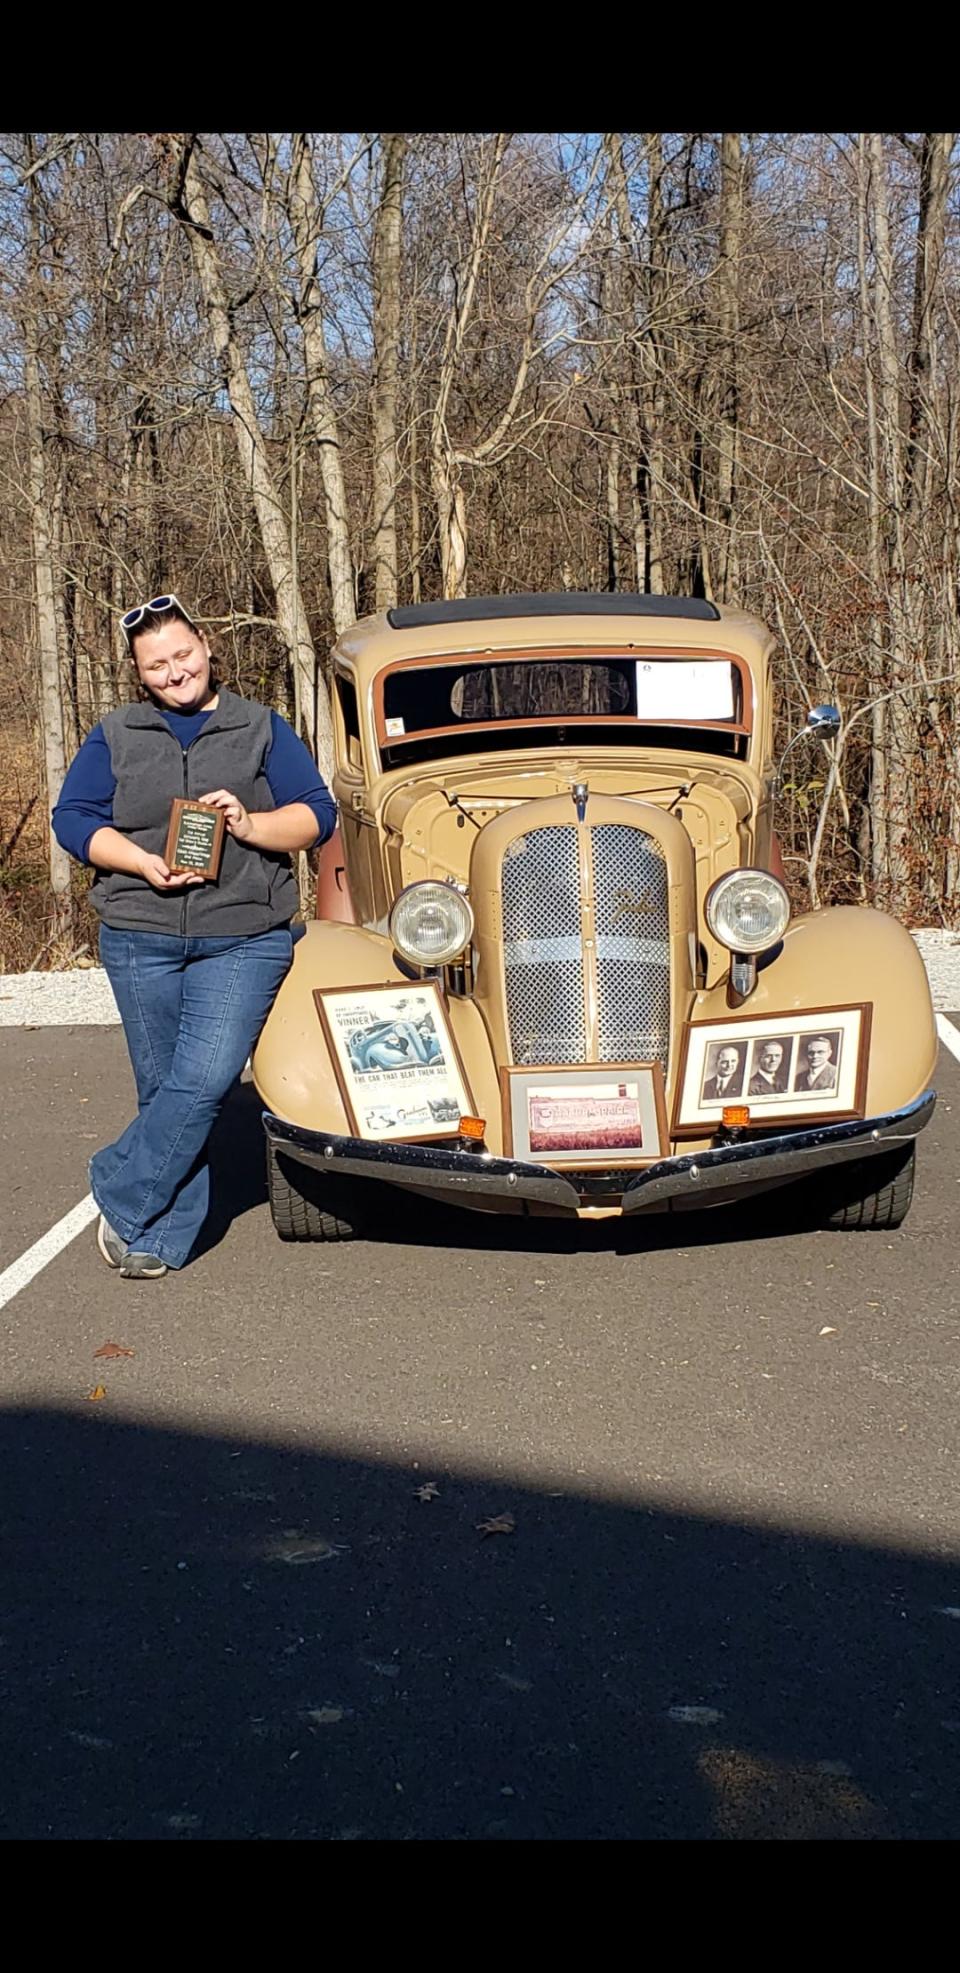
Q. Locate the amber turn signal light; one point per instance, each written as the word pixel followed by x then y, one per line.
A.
pixel 472 1127
pixel 735 1115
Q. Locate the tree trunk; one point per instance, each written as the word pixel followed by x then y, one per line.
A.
pixel 654 350
pixel 876 797
pixel 728 300
pixel 386 352
pixel 444 466
pixel 936 148
pixel 901 720
pixel 452 518
pixel 612 316
pixel 51 706
pixel 306 222
pixel 613 514
pixel 257 472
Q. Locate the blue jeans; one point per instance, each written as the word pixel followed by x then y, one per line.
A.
pixel 191 1010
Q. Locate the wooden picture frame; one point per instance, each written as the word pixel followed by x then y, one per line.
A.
pixel 397 1064
pixel 206 832
pixel 554 1082
pixel 783 1095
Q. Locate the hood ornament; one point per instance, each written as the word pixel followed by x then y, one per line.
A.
pixel 580 793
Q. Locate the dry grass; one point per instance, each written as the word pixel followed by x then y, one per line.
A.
pixel 29 940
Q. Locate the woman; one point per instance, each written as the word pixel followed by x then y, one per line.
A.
pixel 195 966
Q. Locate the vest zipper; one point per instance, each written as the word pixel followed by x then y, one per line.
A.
pixel 183 900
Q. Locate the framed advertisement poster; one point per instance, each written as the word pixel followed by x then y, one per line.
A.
pixel 791 1068
pixel 397 1064
pixel 610 1112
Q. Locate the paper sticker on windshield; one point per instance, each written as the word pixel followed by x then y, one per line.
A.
pixel 681 688
pixel 394 728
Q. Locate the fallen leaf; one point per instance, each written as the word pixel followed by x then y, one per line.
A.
pixel 429 1491
pixel 98 1392
pixel 498 1524
pixel 113 1349
pixel 298 1549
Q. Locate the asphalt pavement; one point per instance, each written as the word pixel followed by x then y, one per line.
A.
pixel 480 1530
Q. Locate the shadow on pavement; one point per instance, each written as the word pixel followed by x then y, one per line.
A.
pixel 204 1637
pixel 238 1171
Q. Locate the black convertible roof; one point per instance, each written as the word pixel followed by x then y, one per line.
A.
pixel 568 603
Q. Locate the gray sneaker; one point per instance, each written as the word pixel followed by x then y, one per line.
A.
pixel 142 1267
pixel 110 1244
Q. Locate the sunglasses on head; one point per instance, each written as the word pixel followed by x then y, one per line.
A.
pixel 129 622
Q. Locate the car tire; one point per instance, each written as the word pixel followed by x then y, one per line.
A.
pixel 308 1206
pixel 886 1202
pixel 872 1197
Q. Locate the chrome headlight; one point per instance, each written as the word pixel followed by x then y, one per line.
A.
pixel 431 923
pixel 748 910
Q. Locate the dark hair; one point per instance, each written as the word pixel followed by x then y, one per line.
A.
pixel 155 620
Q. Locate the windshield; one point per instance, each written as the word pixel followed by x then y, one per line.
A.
pixel 428 698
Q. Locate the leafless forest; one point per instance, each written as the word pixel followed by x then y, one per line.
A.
pixel 297 377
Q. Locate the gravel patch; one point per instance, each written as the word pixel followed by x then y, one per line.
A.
pixel 941 956
pixel 84 998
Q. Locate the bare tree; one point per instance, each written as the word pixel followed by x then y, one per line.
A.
pixel 933 155
pixel 728 311
pixel 45 573
pixel 190 202
pixel 386 359
pixel 306 218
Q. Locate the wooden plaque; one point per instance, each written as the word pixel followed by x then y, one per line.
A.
pixel 195 839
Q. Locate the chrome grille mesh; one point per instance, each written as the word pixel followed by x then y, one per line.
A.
pixel 631 905
pixel 543 951
pixel 542 954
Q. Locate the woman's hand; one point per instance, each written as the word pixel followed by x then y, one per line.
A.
pixel 237 817
pixel 278 831
pixel 159 874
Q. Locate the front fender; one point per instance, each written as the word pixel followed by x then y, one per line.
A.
pixel 842 955
pixel 292 1068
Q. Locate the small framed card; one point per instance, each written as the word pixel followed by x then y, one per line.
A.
pixel 195 839
pixel 611 1113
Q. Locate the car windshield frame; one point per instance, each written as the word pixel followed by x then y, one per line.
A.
pixel 391 743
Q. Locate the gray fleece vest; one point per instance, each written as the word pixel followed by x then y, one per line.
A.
pixel 256 889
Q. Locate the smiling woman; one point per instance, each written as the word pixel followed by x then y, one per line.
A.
pixel 194 964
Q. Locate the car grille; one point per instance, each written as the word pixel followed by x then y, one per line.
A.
pixel 544 959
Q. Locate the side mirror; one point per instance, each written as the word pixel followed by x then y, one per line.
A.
pixel 824 721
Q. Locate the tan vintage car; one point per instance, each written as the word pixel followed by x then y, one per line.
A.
pixel 560 974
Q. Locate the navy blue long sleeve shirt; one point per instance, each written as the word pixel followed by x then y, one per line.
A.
pixel 86 798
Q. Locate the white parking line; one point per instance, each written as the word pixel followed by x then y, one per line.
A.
pixel 20 1273
pixel 949 1035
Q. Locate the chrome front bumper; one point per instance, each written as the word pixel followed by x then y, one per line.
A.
pixel 695 1179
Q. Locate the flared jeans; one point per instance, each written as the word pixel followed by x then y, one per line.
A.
pixel 192 1010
